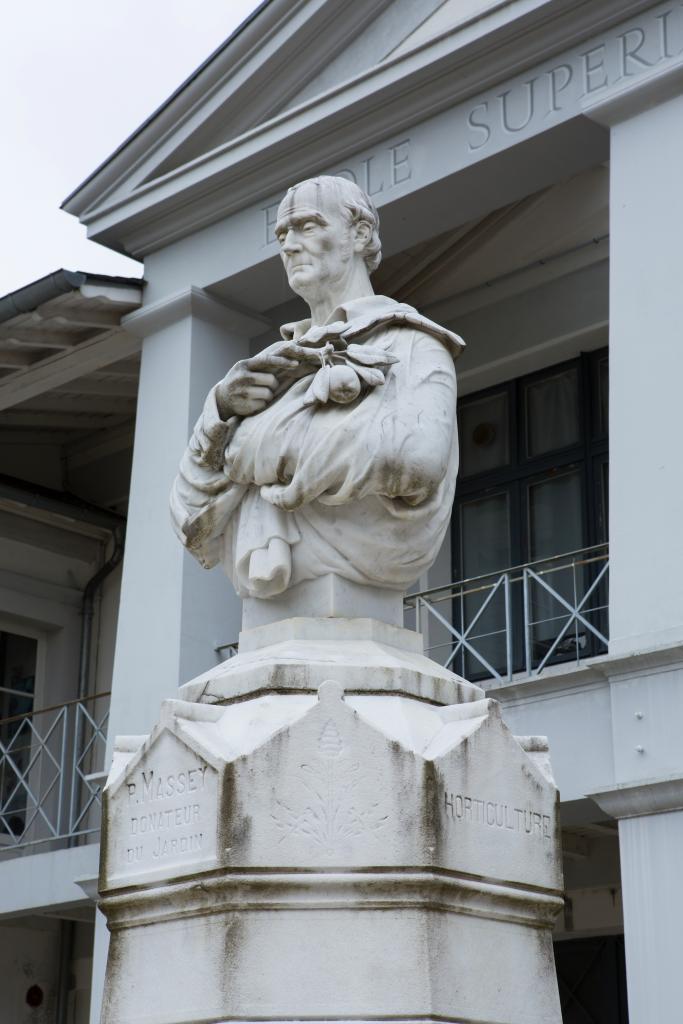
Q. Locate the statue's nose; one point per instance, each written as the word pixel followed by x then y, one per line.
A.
pixel 291 243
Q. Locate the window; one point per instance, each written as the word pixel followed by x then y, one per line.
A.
pixel 18 655
pixel 551 413
pixel 532 485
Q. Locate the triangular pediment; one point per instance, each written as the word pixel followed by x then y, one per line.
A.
pixel 437 20
pixel 378 39
pixel 337 55
pixel 300 88
pixel 284 56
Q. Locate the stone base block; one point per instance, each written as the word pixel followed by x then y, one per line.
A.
pixel 331 856
pixel 323 598
pixel 363 945
pixel 296 655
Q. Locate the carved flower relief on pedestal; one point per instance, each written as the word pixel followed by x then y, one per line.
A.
pixel 331 800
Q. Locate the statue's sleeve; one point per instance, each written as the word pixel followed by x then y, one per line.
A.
pixel 202 498
pixel 397 443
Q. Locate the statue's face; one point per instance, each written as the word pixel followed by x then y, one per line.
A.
pixel 315 248
pixel 317 241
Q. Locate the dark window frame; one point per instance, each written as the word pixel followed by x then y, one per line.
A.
pixel 591 451
pixel 589 455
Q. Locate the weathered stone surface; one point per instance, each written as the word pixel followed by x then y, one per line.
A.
pixel 298 654
pixel 162 810
pixel 329 825
pixel 333 451
pixel 354 857
pixel 328 596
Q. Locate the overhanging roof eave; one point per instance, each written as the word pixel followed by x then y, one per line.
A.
pixel 60 282
pixel 18 495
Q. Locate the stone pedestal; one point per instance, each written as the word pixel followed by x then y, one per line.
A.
pixel 328 597
pixel 331 827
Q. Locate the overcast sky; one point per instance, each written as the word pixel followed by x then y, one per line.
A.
pixel 76 78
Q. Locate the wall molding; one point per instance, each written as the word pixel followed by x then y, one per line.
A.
pixel 197 303
pixel 457 74
pixel 642 798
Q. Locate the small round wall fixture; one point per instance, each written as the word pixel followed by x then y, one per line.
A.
pixel 34 996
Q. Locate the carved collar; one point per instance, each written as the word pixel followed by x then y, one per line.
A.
pixel 365 314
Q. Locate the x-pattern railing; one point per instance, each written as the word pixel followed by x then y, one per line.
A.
pixel 50 783
pixel 462 636
pixel 85 790
pixel 529 615
pixel 575 614
pixel 31 791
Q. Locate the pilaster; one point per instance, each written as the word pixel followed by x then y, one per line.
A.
pixel 173 613
pixel 650 815
pixel 646 363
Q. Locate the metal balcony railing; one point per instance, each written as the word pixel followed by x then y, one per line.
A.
pixel 523 619
pixel 51 773
pixel 227 650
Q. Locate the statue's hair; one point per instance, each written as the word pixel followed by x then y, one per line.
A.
pixel 358 206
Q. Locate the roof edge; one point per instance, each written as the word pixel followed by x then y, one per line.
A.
pixel 67 506
pixel 213 56
pixel 30 296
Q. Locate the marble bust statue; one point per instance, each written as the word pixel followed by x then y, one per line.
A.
pixel 334 450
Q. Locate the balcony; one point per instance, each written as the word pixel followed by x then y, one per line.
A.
pixel 519 621
pixel 490 628
pixel 51 775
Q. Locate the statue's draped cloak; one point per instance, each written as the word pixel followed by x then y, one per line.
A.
pixel 363 490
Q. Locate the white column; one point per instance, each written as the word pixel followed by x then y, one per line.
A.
pixel 172 612
pixel 99 966
pixel 646 541
pixel 650 837
pixel 646 375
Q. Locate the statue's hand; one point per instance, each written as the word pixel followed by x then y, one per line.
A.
pixel 252 383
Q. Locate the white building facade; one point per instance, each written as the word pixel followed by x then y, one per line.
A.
pixel 525 159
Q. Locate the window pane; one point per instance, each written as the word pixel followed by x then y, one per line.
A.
pixel 17 682
pixel 485 535
pixel 555 528
pixel 17 668
pixel 603 393
pixel 485 548
pixel 484 432
pixel 555 524
pixel 552 413
pixel 603 513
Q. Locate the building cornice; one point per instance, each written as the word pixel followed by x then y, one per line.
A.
pixel 636 95
pixel 193 302
pixel 396 94
pixel 594 672
pixel 641 798
pixel 272 43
